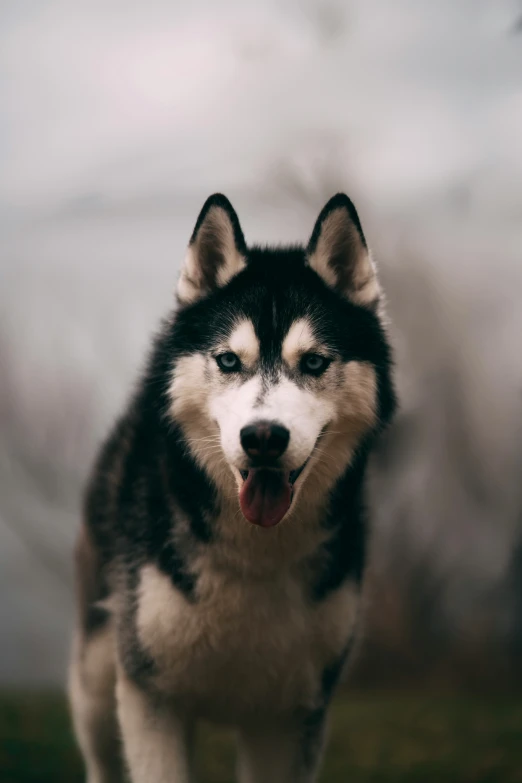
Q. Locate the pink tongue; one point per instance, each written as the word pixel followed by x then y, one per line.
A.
pixel 265 496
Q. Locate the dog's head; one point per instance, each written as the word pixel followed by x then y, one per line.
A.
pixel 281 367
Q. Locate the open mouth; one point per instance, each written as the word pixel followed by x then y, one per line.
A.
pixel 266 494
pixel 292 476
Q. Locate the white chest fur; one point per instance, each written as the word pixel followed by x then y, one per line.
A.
pixel 245 644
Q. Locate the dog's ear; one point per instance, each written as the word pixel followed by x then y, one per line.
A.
pixel 216 251
pixel 338 252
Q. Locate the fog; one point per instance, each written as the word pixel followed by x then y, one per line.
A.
pixel 119 119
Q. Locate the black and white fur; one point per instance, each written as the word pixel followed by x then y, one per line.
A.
pixel 186 610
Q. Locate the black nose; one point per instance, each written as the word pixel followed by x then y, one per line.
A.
pixel 264 440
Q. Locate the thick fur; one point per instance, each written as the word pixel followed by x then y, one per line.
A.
pixel 186 610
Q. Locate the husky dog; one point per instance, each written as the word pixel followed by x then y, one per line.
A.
pixel 222 551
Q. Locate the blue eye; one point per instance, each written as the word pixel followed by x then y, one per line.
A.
pixel 314 363
pixel 228 362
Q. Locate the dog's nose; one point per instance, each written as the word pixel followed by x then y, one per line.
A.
pixel 264 440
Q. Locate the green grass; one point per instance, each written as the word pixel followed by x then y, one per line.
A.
pixel 377 738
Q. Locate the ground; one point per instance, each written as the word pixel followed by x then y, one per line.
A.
pixel 381 738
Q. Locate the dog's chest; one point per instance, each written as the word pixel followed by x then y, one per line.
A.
pixel 244 644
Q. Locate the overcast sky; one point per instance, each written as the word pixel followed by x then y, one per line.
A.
pixel 118 99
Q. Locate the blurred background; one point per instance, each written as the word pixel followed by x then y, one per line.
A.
pixel 117 120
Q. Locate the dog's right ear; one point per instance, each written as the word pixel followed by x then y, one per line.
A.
pixel 216 251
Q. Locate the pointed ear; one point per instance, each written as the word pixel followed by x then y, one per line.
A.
pixel 216 251
pixel 338 252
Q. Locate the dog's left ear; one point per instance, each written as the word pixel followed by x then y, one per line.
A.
pixel 216 251
pixel 338 252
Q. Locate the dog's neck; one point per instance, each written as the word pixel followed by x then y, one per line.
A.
pixel 238 546
pixel 210 491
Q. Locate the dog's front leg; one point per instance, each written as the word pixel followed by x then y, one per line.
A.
pixel 281 751
pixel 157 740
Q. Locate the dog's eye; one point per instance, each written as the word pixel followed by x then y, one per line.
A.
pixel 228 362
pixel 314 363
